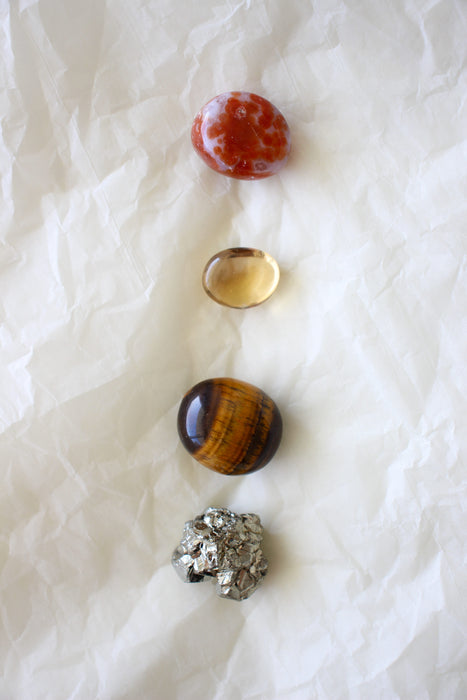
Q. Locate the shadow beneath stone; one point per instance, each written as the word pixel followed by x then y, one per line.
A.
pixel 276 552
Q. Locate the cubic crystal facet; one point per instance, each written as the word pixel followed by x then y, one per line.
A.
pixel 226 547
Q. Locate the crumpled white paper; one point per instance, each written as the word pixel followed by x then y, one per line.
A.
pixel 107 219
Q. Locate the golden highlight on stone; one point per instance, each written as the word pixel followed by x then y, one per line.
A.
pixel 229 426
pixel 241 277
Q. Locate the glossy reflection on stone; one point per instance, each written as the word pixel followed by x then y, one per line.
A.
pixel 241 135
pixel 229 426
pixel 241 277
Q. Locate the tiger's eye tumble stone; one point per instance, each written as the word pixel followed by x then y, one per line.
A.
pixel 240 277
pixel 229 426
pixel 241 135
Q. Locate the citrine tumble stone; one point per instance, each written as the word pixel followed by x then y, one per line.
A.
pixel 241 135
pixel 229 426
pixel 240 277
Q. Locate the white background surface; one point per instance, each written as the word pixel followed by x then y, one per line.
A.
pixel 107 219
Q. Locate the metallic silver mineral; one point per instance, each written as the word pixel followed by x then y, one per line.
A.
pixel 225 546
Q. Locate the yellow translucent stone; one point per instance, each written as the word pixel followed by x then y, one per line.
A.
pixel 240 277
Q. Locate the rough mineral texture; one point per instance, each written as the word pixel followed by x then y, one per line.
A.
pixel 226 547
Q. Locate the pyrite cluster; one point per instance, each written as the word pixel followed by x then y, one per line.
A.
pixel 226 547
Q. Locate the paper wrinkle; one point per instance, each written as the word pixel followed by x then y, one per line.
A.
pixel 107 220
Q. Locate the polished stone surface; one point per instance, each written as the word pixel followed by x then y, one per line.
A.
pixel 241 277
pixel 241 135
pixel 229 426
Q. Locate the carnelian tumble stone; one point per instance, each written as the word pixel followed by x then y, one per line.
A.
pixel 241 135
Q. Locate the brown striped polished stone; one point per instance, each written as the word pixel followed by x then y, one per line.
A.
pixel 229 426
